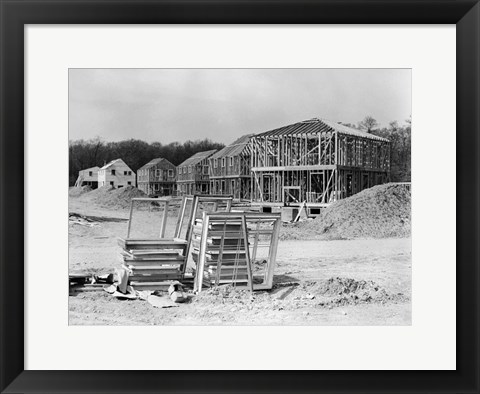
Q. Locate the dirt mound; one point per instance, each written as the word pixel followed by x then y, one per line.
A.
pixel 346 291
pixel 119 198
pixel 382 211
pixel 107 196
pixel 78 191
pixel 328 293
pixel 224 294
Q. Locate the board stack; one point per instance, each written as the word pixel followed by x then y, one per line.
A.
pixel 153 264
pixel 225 254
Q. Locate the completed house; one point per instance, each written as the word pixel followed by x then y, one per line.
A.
pixel 157 178
pixel 116 174
pixel 230 169
pixel 193 174
pixel 88 177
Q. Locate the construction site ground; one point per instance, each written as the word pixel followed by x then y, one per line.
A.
pixel 316 282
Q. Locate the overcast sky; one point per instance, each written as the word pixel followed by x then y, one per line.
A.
pixel 167 105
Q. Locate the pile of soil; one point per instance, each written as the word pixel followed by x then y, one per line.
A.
pixel 328 293
pixel 383 211
pixel 78 191
pixel 345 291
pixel 120 198
pixel 110 197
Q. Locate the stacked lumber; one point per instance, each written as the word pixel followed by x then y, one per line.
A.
pixel 226 247
pixel 224 251
pixel 153 264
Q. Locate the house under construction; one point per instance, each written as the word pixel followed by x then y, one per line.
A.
pixel 157 178
pixel 230 169
pixel 88 177
pixel 193 174
pixel 316 161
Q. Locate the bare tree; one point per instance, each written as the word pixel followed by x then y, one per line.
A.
pixel 368 124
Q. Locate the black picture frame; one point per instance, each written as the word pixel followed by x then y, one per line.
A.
pixel 16 13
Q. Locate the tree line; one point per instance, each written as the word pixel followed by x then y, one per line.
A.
pixel 135 153
pixel 400 146
pixel 400 138
pixel 96 152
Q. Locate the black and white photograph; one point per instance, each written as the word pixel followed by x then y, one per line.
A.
pixel 240 197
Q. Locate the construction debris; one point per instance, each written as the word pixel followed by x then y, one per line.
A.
pixel 154 264
pixel 81 282
pixel 229 248
pixel 220 247
pixel 175 291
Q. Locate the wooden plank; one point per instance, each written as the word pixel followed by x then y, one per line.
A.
pixel 154 247
pixel 201 260
pixel 164 220
pixel 154 277
pixel 153 262
pixel 153 269
pixel 249 265
pixel 86 287
pixel 151 254
pixel 230 262
pixel 152 240
pixel 159 285
pixel 181 217
pixel 130 219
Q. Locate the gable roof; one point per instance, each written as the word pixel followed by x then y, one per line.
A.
pixel 111 163
pixel 151 163
pixel 316 125
pixel 235 148
pixel 197 158
pixel 96 168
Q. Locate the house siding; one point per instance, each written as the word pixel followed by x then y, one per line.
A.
pixel 116 175
pixel 193 176
pixel 230 170
pixel 158 179
pixel 85 179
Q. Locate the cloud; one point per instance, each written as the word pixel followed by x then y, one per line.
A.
pixel 179 104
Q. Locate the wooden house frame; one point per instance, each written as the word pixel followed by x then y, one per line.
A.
pixel 230 169
pixel 316 161
pixel 193 175
pixel 157 178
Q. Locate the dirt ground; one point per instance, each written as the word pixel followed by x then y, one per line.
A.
pixel 340 282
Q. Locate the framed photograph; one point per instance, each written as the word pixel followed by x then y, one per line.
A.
pixel 244 196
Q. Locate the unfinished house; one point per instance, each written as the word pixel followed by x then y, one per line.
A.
pixel 116 174
pixel 88 177
pixel 230 170
pixel 316 161
pixel 157 178
pixel 193 174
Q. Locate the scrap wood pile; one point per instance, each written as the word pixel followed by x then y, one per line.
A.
pixel 82 220
pixel 81 282
pixel 152 264
pixel 222 247
pixel 227 249
pixel 224 251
